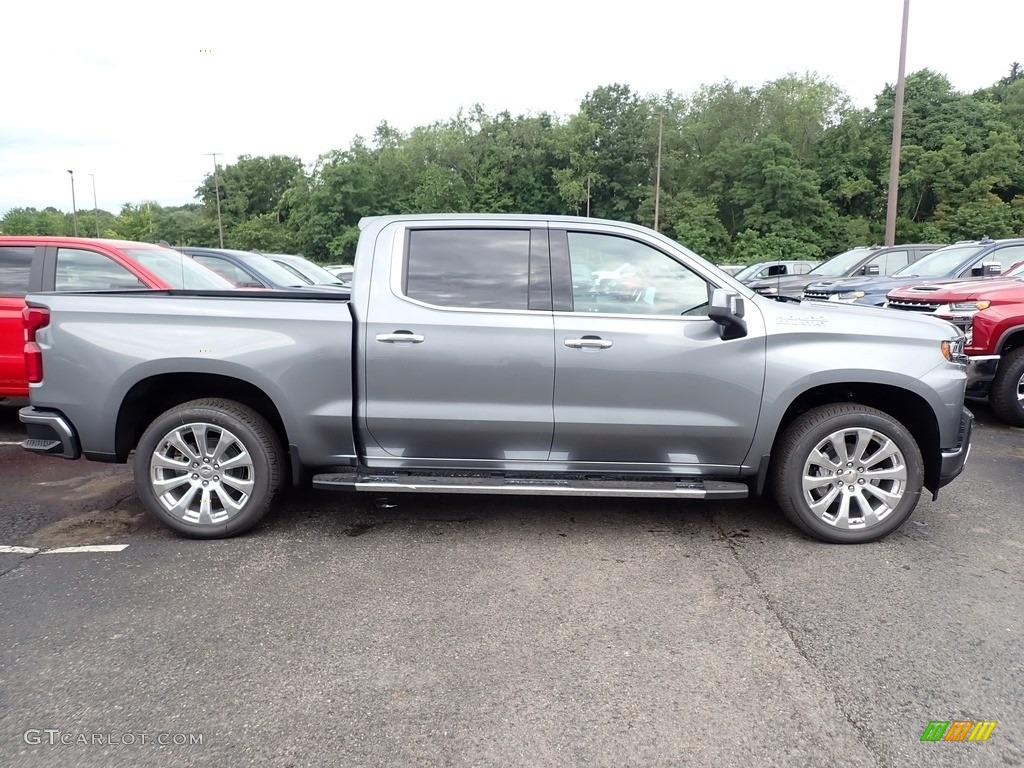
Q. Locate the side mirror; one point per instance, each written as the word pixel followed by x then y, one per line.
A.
pixel 726 308
pixel 991 269
pixel 872 269
pixel 252 284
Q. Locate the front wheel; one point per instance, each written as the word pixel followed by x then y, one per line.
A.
pixel 1006 393
pixel 208 468
pixel 847 473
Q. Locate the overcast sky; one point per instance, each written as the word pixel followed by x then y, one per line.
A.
pixel 135 93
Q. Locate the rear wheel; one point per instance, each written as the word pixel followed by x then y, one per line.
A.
pixel 208 468
pixel 1006 393
pixel 847 473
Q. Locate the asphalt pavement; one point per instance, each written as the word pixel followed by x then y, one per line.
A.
pixel 419 630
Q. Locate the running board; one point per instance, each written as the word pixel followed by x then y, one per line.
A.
pixel 532 486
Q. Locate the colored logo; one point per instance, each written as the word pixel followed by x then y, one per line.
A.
pixel 958 730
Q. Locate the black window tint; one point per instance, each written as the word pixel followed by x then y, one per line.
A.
pixel 80 270
pixel 15 269
pixel 475 268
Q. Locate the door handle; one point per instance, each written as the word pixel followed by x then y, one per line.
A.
pixel 400 337
pixel 588 342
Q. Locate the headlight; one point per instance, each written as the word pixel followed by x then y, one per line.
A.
pixel 970 306
pixel 849 295
pixel 954 350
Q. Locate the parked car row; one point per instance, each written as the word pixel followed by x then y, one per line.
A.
pixel 33 264
pixel 977 285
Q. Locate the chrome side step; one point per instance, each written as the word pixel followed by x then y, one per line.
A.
pixel 668 488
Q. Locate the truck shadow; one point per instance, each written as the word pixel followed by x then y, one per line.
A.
pixel 353 514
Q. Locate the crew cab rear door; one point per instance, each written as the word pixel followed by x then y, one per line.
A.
pixel 458 346
pixel 643 380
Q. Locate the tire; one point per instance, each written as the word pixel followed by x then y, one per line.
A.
pixel 174 479
pixel 1006 392
pixel 808 460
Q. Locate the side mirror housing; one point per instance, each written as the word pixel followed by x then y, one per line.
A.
pixel 727 310
pixel 872 269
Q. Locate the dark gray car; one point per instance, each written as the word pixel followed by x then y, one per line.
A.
pixel 865 260
pixel 247 269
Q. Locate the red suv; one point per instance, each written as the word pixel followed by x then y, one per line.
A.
pixel 29 264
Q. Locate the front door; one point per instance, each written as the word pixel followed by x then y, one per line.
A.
pixel 643 380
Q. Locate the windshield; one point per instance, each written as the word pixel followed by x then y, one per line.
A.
pixel 274 272
pixel 747 272
pixel 307 269
pixel 841 264
pixel 178 271
pixel 296 272
pixel 940 263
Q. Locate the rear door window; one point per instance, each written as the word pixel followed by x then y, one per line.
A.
pixel 83 270
pixel 15 269
pixel 469 268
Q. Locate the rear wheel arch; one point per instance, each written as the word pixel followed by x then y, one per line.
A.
pixel 154 395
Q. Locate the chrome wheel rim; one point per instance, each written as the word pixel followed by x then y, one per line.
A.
pixel 854 478
pixel 1020 390
pixel 201 473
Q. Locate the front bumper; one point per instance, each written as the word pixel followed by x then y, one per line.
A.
pixel 49 433
pixel 955 459
pixel 980 371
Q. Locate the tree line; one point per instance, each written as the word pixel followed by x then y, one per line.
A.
pixel 785 170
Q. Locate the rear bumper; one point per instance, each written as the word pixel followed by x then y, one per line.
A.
pixel 49 433
pixel 955 459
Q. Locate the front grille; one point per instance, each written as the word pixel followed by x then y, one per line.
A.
pixel 816 295
pixel 914 306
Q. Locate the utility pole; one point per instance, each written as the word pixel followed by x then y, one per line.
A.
pixel 216 186
pixel 74 208
pixel 95 208
pixel 588 195
pixel 657 177
pixel 897 135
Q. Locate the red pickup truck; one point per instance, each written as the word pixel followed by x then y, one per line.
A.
pixel 29 264
pixel 991 314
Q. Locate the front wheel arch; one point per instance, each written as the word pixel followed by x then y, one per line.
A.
pixel 846 473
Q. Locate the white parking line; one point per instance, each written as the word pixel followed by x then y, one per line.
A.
pixel 5 550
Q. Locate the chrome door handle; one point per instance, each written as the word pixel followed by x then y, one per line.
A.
pixel 588 342
pixel 400 337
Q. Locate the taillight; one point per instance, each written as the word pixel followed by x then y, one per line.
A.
pixel 34 318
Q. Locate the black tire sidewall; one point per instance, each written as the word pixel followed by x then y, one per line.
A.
pixel 793 472
pixel 1003 395
pixel 262 491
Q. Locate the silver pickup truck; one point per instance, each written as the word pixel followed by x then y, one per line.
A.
pixel 503 354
